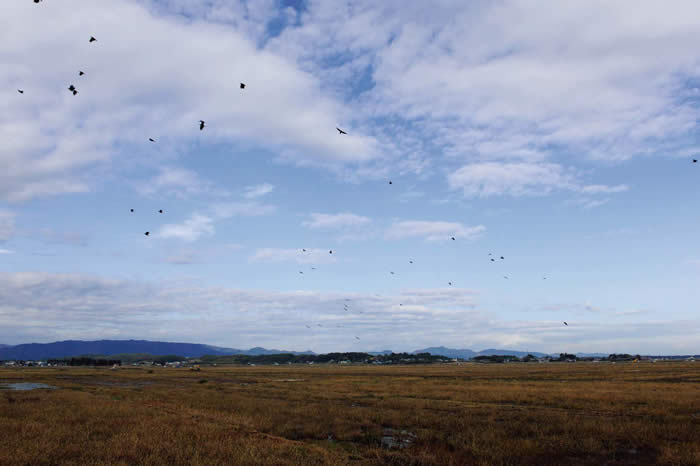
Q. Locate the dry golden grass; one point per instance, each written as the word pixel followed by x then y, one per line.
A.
pixel 580 413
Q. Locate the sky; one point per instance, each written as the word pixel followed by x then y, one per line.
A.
pixel 558 135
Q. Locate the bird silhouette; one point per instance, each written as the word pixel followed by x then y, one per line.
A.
pixel 151 139
pixel 20 91
pixel 242 85
pixel 303 250
pixel 92 39
pixel 695 160
pixel 566 324
pixel 80 73
pixel 390 182
pixel 340 130
pixel 73 89
pixel 147 233
pixel 132 210
pixel 502 258
pixel 449 283
pixel 453 238
pixel 160 211
pixel 330 252
pixel 410 262
pixel 493 260
pixel 37 1
pixel 201 125
pixel 301 272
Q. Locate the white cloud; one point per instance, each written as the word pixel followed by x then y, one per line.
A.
pixel 598 188
pixel 190 230
pixel 7 224
pixel 310 256
pixel 333 221
pixel 175 181
pixel 245 209
pixel 187 71
pixel 46 307
pixel 433 231
pixel 515 179
pixel 253 192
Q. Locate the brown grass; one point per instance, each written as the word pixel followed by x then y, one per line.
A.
pixel 570 414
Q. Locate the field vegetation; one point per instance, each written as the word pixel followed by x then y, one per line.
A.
pixel 582 413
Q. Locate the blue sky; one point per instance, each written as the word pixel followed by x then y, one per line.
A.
pixel 563 142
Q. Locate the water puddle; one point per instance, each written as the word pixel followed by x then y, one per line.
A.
pixel 25 386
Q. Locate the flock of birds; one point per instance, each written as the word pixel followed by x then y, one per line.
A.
pixel 202 125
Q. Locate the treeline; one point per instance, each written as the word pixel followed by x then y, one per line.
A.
pixel 84 361
pixel 352 357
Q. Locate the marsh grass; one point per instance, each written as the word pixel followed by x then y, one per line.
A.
pixel 470 414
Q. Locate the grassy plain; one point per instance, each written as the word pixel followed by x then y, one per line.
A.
pixel 583 413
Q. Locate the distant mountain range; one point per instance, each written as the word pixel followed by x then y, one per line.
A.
pixel 468 354
pixel 70 348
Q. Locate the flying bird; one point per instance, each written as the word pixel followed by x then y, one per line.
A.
pixel 390 182
pixel 357 338
pixel 160 211
pixel 695 160
pixel 502 258
pixel 132 210
pixel 303 250
pixel 80 73
pixel 330 252
pixel 147 233
pixel 410 262
pixel 92 39
pixel 453 238
pixel 37 1
pixel 73 89
pixel 151 139
pixel 493 260
pixel 20 91
pixel 566 324
pixel 301 272
pixel 391 273
pixel 242 85
pixel 449 283
pixel 340 130
pixel 201 125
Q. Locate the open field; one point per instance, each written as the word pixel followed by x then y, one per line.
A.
pixel 581 413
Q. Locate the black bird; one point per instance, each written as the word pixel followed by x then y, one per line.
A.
pixel 301 272
pixel 303 250
pixel 330 252
pixel 566 324
pixel 493 260
pixel 391 273
pixel 37 1
pixel 242 85
pixel 390 182
pixel 92 39
pixel 410 262
pixel 201 125
pixel 80 73
pixel 160 211
pixel 132 210
pixel 340 130
pixel 20 91
pixel 400 304
pixel 147 233
pixel 502 258
pixel 453 238
pixel 695 160
pixel 151 139
pixel 449 283
pixel 73 89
